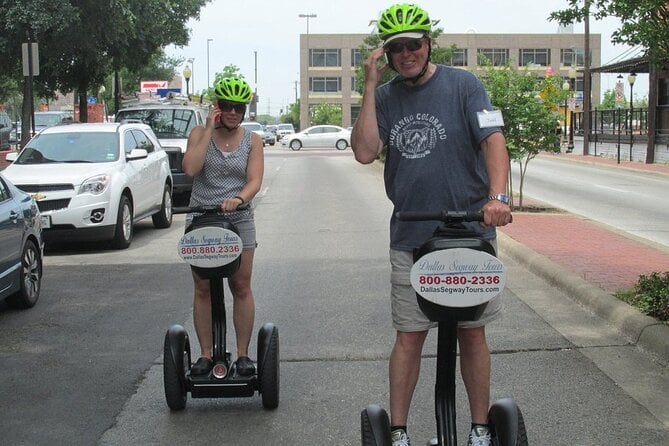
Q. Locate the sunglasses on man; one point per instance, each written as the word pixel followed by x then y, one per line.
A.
pixel 398 47
pixel 226 106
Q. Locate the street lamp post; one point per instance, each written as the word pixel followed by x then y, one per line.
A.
pixel 631 79
pixel 208 40
pixel 191 62
pixel 187 74
pixel 572 83
pixel 565 88
pixel 304 105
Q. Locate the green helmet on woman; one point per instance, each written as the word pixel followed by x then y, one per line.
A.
pixel 233 89
pixel 403 20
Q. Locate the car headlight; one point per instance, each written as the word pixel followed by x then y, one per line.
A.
pixel 95 185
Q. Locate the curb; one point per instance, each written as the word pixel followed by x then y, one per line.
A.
pixel 645 332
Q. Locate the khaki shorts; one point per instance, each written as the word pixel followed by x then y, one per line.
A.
pixel 407 315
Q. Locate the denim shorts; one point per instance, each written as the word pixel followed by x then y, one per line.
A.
pixel 407 315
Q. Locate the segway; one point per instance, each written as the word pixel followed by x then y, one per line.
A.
pixel 213 247
pixel 455 274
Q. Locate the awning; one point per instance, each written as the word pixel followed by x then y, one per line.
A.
pixel 637 65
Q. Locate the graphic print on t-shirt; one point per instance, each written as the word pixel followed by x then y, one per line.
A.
pixel 415 136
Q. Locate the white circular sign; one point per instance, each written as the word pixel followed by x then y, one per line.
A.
pixel 458 277
pixel 210 247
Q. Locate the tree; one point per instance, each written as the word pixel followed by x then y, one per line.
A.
pixel 529 106
pixel 83 41
pixel 645 23
pixel 326 114
pixel 293 115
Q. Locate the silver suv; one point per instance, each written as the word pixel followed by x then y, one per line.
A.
pixel 172 121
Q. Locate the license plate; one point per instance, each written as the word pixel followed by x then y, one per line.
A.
pixel 46 221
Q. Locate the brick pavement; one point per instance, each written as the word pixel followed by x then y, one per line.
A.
pixel 601 256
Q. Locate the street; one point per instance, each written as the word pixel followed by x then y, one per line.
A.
pixel 85 365
pixel 629 201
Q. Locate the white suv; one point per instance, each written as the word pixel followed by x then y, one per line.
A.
pixel 93 182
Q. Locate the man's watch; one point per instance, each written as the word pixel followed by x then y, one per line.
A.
pixel 499 197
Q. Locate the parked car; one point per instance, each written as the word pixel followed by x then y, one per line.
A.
pixel 270 137
pixel 94 181
pixel 319 136
pixel 255 127
pixel 5 130
pixel 15 133
pixel 21 246
pixel 273 128
pixel 283 130
pixel 171 121
pixel 49 118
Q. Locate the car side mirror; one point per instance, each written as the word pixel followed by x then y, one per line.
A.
pixel 136 154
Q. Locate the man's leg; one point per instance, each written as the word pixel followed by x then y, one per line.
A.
pixel 404 368
pixel 475 369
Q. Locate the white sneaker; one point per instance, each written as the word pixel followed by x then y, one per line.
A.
pixel 479 436
pixel 400 438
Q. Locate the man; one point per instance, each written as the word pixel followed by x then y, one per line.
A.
pixel 444 151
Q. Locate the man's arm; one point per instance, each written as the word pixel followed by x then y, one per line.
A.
pixel 496 159
pixel 365 140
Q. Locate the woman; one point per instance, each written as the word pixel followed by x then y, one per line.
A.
pixel 226 162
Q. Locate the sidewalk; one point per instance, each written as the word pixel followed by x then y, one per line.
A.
pixel 590 261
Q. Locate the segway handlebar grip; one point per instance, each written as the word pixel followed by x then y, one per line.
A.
pixel 444 216
pixel 204 209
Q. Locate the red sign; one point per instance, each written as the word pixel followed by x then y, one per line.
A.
pixel 151 86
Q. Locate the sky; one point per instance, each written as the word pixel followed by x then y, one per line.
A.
pixel 262 37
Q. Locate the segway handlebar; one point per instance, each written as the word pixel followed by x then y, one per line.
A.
pixel 445 216
pixel 208 209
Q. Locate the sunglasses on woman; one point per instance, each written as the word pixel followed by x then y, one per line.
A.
pixel 398 47
pixel 226 106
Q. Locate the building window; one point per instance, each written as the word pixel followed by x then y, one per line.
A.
pixel 355 112
pixel 324 57
pixel 325 84
pixel 572 56
pixel 356 57
pixel 459 57
pixel 497 56
pixel 534 57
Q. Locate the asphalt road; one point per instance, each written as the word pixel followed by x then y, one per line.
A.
pixel 84 366
pixel 631 201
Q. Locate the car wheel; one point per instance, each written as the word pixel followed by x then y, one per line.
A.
pixel 31 277
pixel 124 225
pixel 295 144
pixel 163 218
pixel 341 144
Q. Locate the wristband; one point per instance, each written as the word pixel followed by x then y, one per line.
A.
pixel 240 199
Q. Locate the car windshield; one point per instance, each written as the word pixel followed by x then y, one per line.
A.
pixel 285 127
pixel 166 123
pixel 48 119
pixel 252 126
pixel 79 147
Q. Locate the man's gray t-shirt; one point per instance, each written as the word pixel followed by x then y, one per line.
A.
pixel 433 160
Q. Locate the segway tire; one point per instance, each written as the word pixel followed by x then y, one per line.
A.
pixel 176 361
pixel 268 365
pixel 508 425
pixel 375 426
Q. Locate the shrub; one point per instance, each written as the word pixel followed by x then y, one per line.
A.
pixel 651 295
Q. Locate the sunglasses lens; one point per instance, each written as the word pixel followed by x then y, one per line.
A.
pixel 229 106
pixel 411 45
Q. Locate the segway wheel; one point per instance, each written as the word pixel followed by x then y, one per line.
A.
pixel 176 361
pixel 375 426
pixel 268 365
pixel 508 425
